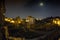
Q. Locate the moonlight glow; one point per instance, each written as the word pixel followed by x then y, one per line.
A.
pixel 41 4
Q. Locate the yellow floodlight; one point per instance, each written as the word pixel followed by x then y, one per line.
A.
pixel 19 21
pixel 12 21
pixel 56 22
pixel 6 19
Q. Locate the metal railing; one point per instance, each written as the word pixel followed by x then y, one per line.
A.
pixel 10 37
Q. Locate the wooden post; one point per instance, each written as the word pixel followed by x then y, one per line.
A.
pixel 6 32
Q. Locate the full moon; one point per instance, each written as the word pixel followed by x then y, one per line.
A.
pixel 41 4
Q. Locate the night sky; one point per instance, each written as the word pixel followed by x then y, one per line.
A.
pixel 24 8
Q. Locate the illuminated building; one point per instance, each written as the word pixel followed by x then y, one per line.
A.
pixel 30 20
pixel 18 20
pixel 56 21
